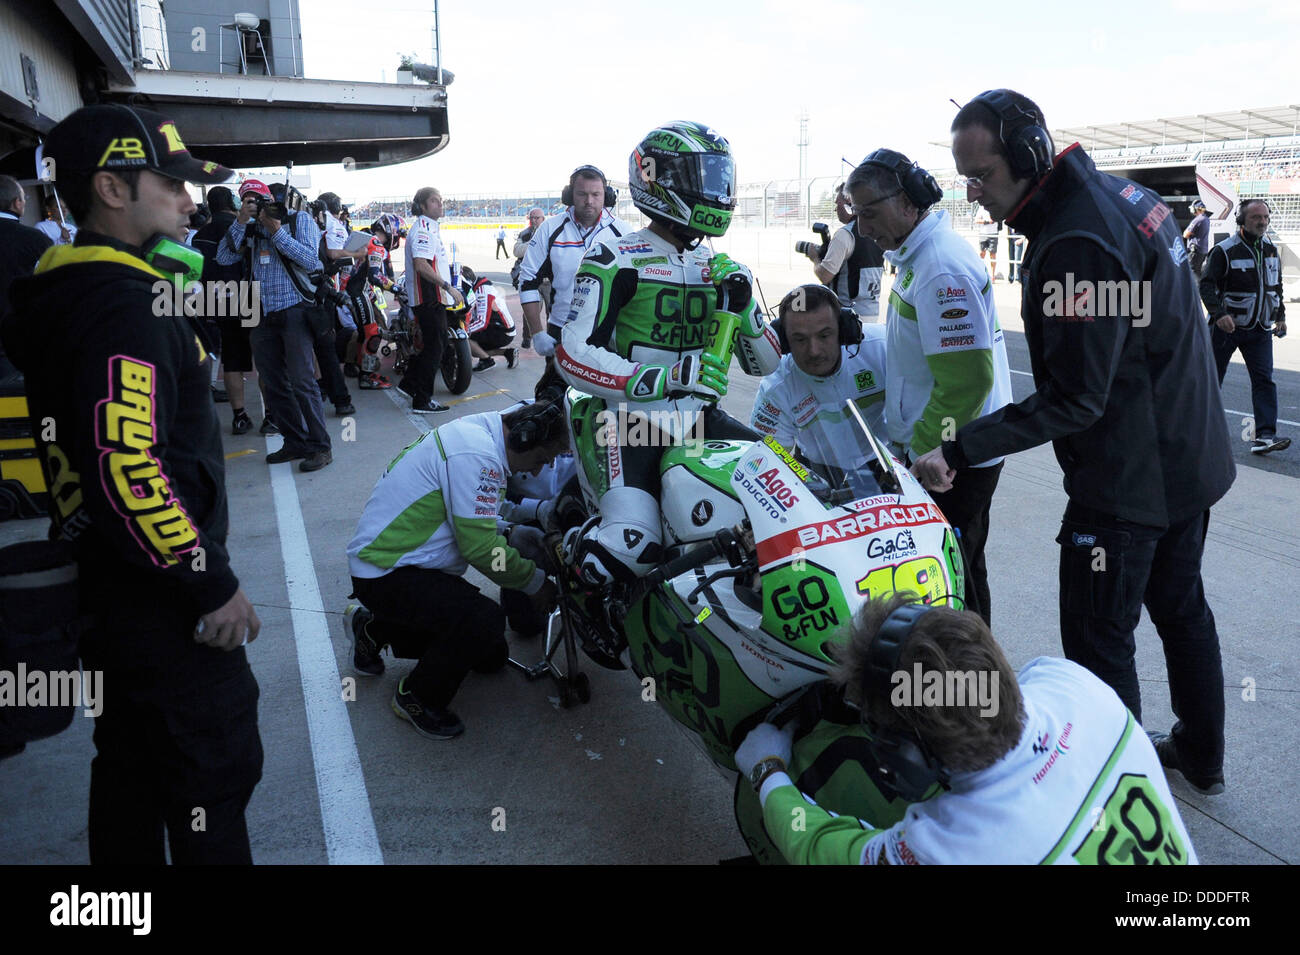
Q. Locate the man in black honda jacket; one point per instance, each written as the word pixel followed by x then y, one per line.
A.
pixel 1121 358
pixel 135 468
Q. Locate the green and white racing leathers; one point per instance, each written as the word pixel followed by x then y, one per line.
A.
pixel 639 308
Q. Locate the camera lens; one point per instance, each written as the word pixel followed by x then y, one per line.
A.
pixel 803 246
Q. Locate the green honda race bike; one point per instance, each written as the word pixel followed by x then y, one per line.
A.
pixel 767 561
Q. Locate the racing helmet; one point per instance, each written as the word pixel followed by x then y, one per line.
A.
pixel 682 174
pixel 389 225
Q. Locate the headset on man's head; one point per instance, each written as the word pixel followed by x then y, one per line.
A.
pixel 917 184
pixel 1241 208
pixel 908 762
pixel 611 194
pixel 848 324
pixel 1029 146
pixel 544 424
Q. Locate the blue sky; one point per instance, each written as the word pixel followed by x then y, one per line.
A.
pixel 542 87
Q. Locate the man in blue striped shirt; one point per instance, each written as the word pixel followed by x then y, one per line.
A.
pixel 283 342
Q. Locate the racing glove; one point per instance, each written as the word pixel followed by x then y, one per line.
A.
pixel 701 375
pixel 734 282
pixel 543 344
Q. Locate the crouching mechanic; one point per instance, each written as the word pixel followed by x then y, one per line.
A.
pixel 431 516
pixel 642 308
pixel 1045 768
pixel 490 325
pixel 829 356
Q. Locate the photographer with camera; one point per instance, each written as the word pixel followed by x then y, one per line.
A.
pixel 848 262
pixel 285 339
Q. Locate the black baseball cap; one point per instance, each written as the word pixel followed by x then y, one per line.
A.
pixel 114 137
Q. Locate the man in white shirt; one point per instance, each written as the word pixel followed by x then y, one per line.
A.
pixel 57 225
pixel 827 357
pixel 1044 768
pixel 429 290
pixel 556 250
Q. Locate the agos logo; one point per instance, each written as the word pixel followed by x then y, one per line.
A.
pixel 781 493
pixel 948 292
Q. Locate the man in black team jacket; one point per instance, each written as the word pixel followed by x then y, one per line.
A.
pixel 135 468
pixel 1121 358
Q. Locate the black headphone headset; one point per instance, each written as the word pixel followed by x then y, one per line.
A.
pixel 917 184
pixel 611 194
pixel 1029 147
pixel 543 426
pixel 849 325
pixel 906 761
pixel 1241 208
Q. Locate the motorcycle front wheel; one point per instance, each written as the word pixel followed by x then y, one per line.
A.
pixel 457 365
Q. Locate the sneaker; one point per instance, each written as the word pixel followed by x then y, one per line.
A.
pixel 344 409
pixel 526 343
pixel 372 382
pixel 428 407
pixel 365 652
pixel 512 357
pixel 316 461
pixel 284 455
pixel 219 394
pixel 268 426
pixel 1269 442
pixel 242 423
pixel 1208 785
pixel 485 363
pixel 428 721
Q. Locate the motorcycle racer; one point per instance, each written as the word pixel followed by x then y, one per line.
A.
pixel 375 269
pixel 640 316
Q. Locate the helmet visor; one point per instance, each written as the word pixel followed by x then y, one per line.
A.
pixel 709 176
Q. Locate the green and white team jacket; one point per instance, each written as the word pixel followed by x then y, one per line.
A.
pixel 639 305
pixel 797 409
pixel 436 507
pixel 947 361
pixel 1082 787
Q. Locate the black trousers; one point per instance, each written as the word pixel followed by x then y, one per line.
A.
pixel 418 382
pixel 183 759
pixel 1109 570
pixel 333 385
pixel 966 507
pixel 443 621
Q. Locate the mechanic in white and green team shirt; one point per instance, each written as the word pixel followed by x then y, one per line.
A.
pixel 829 356
pixel 641 311
pixel 433 514
pixel 947 360
pixel 1047 767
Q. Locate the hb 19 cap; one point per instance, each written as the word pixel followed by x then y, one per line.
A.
pixel 114 137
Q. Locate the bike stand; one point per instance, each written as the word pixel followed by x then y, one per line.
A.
pixel 570 682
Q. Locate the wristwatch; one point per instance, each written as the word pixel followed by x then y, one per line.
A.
pixel 764 768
